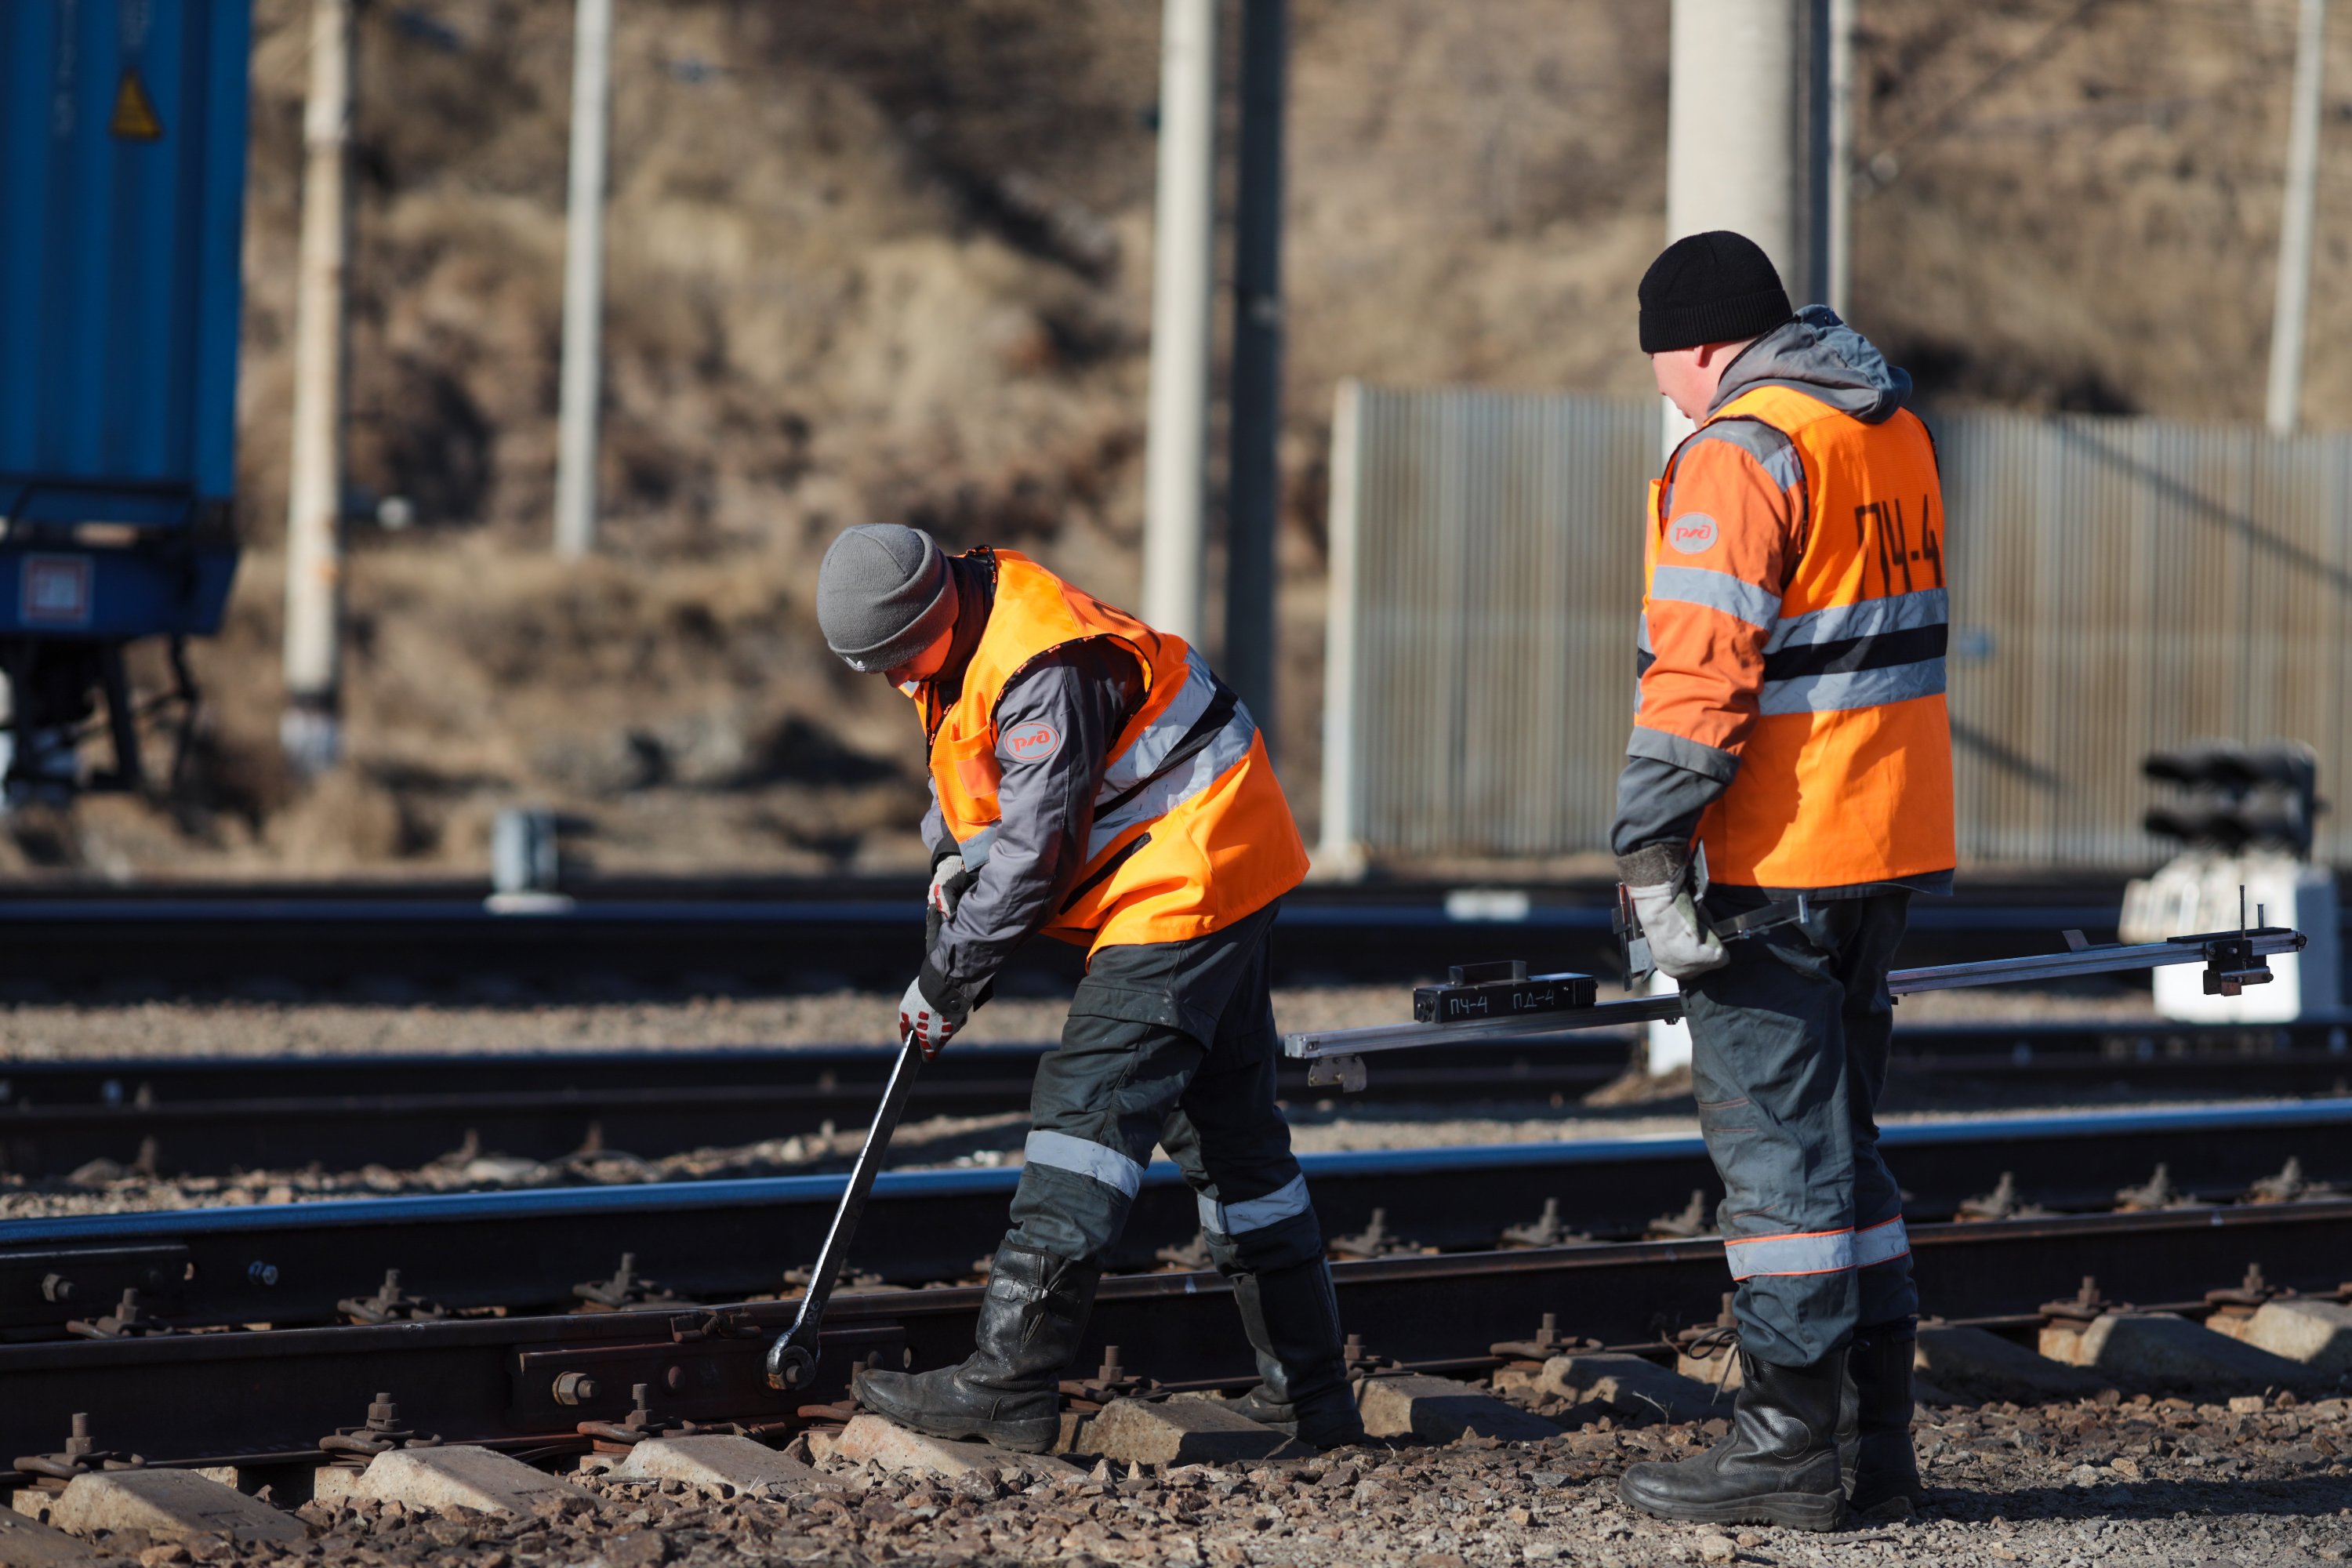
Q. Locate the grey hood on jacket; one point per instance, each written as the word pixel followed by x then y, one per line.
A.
pixel 1820 356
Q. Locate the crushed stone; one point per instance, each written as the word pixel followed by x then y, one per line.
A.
pixel 2119 1484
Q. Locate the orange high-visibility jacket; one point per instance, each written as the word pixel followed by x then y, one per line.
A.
pixel 1794 619
pixel 1191 830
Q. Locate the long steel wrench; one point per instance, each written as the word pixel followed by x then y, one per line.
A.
pixel 792 1360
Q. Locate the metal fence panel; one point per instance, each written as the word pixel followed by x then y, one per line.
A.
pixel 2118 585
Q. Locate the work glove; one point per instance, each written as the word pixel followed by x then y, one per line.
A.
pixel 950 882
pixel 935 1007
pixel 1657 880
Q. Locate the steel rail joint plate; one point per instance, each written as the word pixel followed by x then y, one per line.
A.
pixel 694 1379
pixel 41 1290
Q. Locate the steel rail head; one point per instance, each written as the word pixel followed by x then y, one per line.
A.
pixel 490 1379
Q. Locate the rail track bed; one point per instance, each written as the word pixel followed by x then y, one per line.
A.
pixel 255 1330
pixel 213 1116
pixel 262 1397
pixel 637 938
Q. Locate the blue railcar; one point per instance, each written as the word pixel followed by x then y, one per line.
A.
pixel 122 149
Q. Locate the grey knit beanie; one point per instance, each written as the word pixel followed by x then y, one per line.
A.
pixel 882 595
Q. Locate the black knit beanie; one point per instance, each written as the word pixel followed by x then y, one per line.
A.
pixel 1713 288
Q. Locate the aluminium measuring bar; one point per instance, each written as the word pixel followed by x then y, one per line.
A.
pixel 1334 1055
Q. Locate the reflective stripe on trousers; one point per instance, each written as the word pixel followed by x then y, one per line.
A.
pixel 1816 1251
pixel 1101 1162
pixel 1285 1202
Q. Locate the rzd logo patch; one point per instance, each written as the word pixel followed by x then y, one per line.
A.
pixel 1691 533
pixel 1032 743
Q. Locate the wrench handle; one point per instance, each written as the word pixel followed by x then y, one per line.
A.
pixel 792 1360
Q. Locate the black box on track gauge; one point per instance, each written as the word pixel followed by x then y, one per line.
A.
pixel 1473 993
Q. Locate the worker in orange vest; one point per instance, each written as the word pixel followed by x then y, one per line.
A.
pixel 1092 779
pixel 1790 736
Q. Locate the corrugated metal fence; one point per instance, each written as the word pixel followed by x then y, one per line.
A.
pixel 2118 585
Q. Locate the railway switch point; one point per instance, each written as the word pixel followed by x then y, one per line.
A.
pixel 2317 1334
pixel 1627 1385
pixel 1177 1432
pixel 720 1458
pixel 1439 1410
pixel 26 1543
pixel 2181 1356
pixel 169 1505
pixel 460 1476
pixel 896 1449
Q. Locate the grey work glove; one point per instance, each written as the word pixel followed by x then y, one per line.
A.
pixel 950 882
pixel 947 883
pixel 1658 882
pixel 933 1023
pixel 935 1007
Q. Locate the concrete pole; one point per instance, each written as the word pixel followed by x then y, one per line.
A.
pixel 1184 234
pixel 583 282
pixel 1739 124
pixel 1340 853
pixel 1736 123
pixel 1253 488
pixel 311 728
pixel 1837 187
pixel 2283 406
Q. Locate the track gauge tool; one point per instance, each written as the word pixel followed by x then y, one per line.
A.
pixel 1502 1000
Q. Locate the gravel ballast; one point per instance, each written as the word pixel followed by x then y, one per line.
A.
pixel 2121 1483
pixel 249 1027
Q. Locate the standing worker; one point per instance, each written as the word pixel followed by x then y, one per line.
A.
pixel 1093 780
pixel 1790 736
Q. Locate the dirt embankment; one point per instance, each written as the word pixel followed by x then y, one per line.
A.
pixel 890 260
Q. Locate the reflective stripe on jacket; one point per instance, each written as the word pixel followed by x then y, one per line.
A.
pixel 1792 637
pixel 1190 830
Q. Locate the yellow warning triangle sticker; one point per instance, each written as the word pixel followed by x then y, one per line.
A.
pixel 134 111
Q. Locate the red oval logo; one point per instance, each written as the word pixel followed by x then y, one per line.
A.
pixel 1032 743
pixel 1692 533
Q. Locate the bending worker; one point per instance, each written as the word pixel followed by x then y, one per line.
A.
pixel 1791 735
pixel 1093 780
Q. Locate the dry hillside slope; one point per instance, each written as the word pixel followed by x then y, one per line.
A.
pixel 879 259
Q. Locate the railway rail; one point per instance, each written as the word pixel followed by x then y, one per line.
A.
pixel 759 936
pixel 264 1400
pixel 214 1116
pixel 418 1258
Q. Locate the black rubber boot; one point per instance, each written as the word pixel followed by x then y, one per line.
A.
pixel 1882 1471
pixel 1292 1319
pixel 1006 1392
pixel 1778 1466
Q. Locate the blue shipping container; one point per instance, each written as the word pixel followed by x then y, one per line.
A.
pixel 123 147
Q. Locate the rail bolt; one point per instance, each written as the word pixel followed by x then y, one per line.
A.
pixel 261 1273
pixel 57 1287
pixel 574 1388
pixel 674 1379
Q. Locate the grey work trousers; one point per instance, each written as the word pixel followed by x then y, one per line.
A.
pixel 1789 1046
pixel 1173 1044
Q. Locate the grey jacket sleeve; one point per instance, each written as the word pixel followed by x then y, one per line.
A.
pixel 936 837
pixel 1056 725
pixel 1659 802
